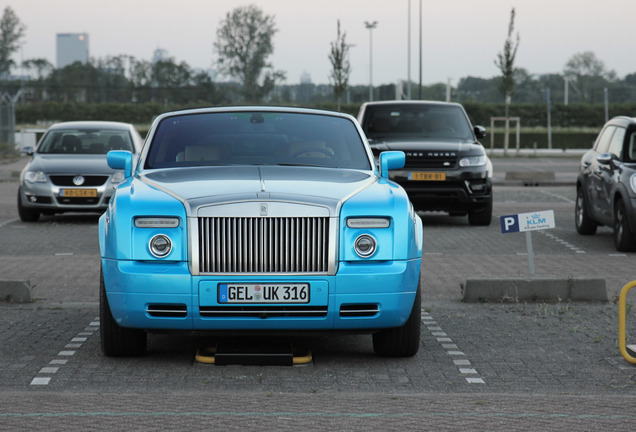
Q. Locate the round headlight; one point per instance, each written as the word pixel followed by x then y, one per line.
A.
pixel 160 245
pixel 365 246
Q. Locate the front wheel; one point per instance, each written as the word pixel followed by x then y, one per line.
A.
pixel 623 237
pixel 117 341
pixel 483 217
pixel 584 225
pixel 401 341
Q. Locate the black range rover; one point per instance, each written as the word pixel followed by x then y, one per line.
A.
pixel 446 168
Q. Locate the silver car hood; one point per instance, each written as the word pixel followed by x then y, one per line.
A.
pixel 70 164
pixel 201 187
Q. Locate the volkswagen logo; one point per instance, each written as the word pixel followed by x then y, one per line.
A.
pixel 78 180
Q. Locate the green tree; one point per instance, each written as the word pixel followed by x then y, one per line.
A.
pixel 170 78
pixel 506 60
pixel 477 89
pixel 244 42
pixel 585 72
pixel 112 82
pixel 340 66
pixel 74 83
pixel 506 63
pixel 140 72
pixel 11 34
pixel 140 79
pixel 40 68
pixel 169 74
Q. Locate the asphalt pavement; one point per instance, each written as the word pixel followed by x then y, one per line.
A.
pixel 508 365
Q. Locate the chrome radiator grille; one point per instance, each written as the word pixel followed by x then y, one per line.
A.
pixel 263 244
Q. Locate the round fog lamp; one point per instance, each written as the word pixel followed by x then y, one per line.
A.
pixel 365 246
pixel 160 245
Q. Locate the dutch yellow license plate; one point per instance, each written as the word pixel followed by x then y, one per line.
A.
pixel 78 193
pixel 427 176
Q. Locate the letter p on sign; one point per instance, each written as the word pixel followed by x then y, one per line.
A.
pixel 509 224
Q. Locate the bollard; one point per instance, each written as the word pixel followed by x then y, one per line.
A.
pixel 621 322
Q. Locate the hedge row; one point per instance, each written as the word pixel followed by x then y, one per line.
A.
pixel 49 112
pixel 573 117
pixel 538 139
pixel 532 115
pixel 536 115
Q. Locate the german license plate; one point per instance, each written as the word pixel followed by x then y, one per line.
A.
pixel 78 193
pixel 427 176
pixel 263 293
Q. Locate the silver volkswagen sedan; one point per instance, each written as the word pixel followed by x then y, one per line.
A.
pixel 68 170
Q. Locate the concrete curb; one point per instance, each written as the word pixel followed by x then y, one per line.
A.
pixel 534 289
pixel 15 291
pixel 536 176
pixel 531 178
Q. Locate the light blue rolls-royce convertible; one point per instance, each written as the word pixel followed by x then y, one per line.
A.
pixel 259 220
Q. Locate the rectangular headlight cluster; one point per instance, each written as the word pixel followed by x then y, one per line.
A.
pixel 368 222
pixel 156 222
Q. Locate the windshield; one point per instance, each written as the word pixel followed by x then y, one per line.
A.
pixel 85 141
pixel 257 138
pixel 416 121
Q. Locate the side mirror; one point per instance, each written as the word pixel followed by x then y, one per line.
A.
pixel 480 131
pixel 391 160
pixel 120 160
pixel 28 151
pixel 604 158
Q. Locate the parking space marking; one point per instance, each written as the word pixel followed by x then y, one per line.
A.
pixel 2 224
pixel 555 195
pixel 559 240
pixel 41 381
pixel 62 357
pixel 452 350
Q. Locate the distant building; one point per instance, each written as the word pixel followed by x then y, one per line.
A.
pixel 305 78
pixel 71 47
pixel 160 54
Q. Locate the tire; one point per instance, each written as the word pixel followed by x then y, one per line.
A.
pixel 584 225
pixel 483 217
pixel 401 341
pixel 117 341
pixel 26 215
pixel 623 237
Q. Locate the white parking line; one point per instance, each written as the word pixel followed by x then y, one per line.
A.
pixel 452 350
pixel 561 241
pixel 561 197
pixel 70 350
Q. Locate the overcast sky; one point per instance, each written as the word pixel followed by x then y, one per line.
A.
pixel 459 37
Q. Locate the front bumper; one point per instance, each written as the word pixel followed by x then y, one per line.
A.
pixel 359 297
pixel 45 197
pixel 460 192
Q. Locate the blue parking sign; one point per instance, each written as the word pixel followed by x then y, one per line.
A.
pixel 523 222
pixel 509 224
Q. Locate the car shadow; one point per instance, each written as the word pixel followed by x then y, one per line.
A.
pixel 443 219
pixel 71 218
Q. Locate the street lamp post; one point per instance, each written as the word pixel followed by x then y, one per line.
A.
pixel 408 50
pixel 371 26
